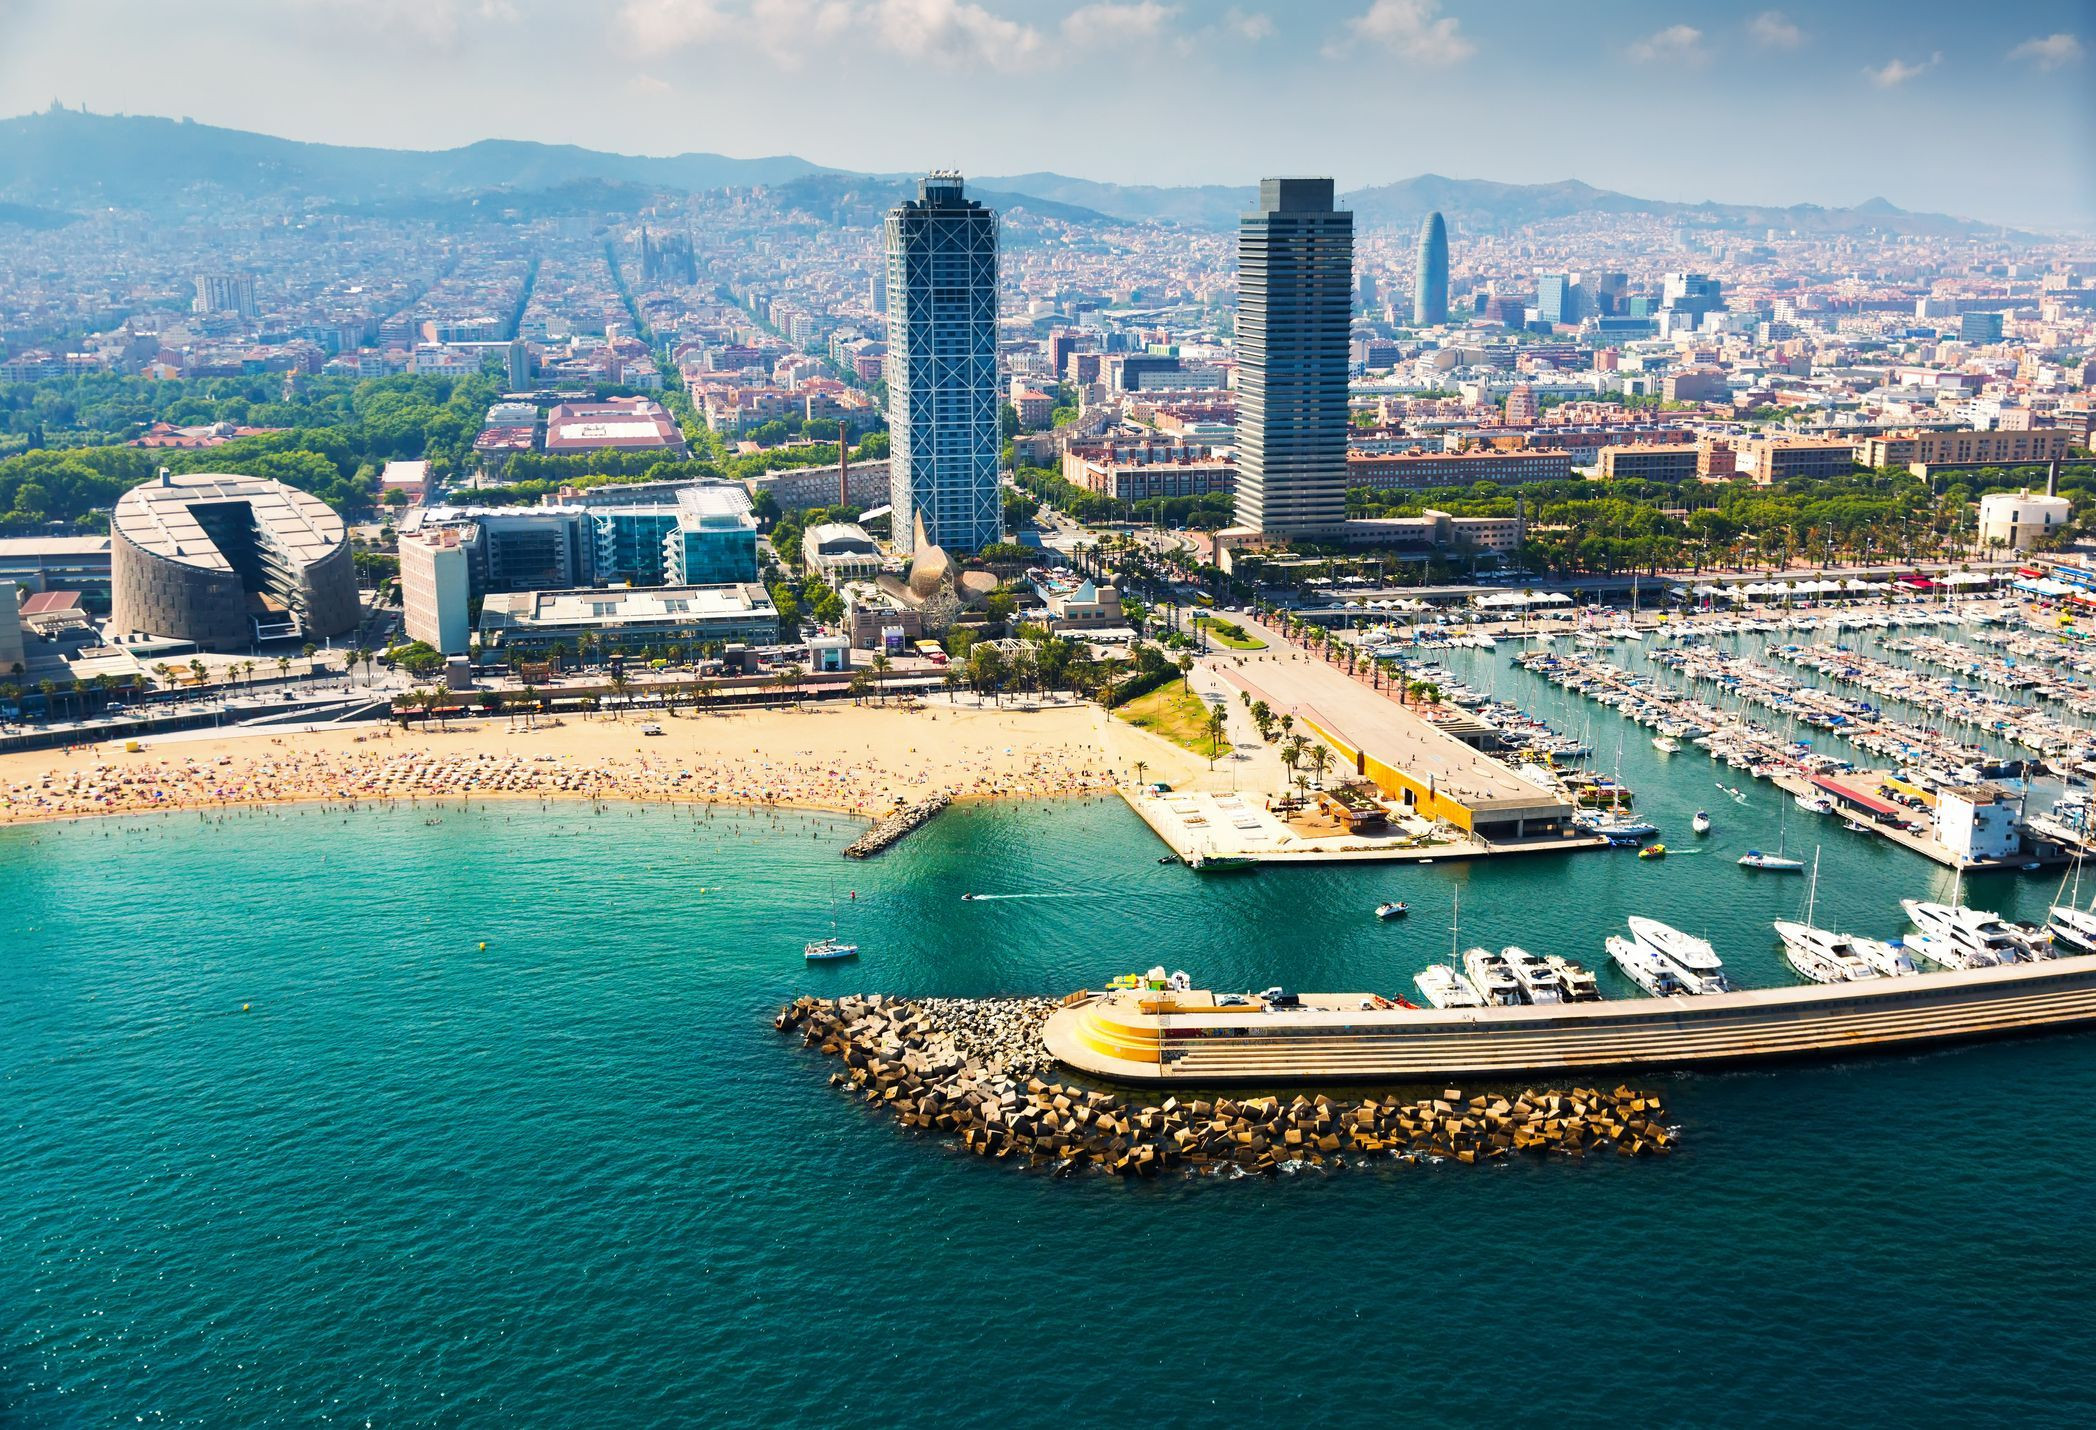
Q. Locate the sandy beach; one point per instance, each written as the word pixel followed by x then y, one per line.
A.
pixel 859 760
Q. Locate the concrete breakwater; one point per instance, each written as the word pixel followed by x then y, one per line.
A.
pixel 905 818
pixel 973 1069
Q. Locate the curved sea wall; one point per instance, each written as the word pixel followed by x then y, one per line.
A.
pixel 1161 1040
pixel 969 1069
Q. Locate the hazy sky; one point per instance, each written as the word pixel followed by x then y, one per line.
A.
pixel 1987 110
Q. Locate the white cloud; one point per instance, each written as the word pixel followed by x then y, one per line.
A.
pixel 668 24
pixel 648 85
pixel 1251 25
pixel 1775 30
pixel 1676 44
pixel 956 32
pixel 1112 23
pixel 1415 30
pixel 438 23
pixel 2049 52
pixel 1896 72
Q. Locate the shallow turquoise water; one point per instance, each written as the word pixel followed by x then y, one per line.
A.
pixel 575 1177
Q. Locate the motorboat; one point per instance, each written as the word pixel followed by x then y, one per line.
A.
pixel 1960 937
pixel 1396 909
pixel 1853 958
pixel 1854 827
pixel 1700 824
pixel 1445 988
pixel 2073 926
pixel 1653 851
pixel 1692 957
pixel 828 950
pixel 1666 744
pixel 1755 859
pixel 1576 979
pixel 1813 803
pixel 1489 975
pixel 1645 968
pixel 1539 981
pixel 1209 862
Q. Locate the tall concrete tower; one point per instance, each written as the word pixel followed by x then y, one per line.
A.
pixel 1430 282
pixel 943 400
pixel 1295 279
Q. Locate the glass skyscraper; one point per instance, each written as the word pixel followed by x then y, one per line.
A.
pixel 943 398
pixel 1430 281
pixel 1295 280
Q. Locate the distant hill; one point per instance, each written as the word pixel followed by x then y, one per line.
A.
pixel 26 216
pixel 64 156
pixel 61 158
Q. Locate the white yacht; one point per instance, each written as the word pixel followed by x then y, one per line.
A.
pixel 1578 981
pixel 1855 958
pixel 1490 976
pixel 2073 927
pixel 1666 744
pixel 1755 859
pixel 1645 968
pixel 1809 957
pixel 1700 823
pixel 1539 981
pixel 1960 937
pixel 1693 958
pixel 1445 988
pixel 1814 803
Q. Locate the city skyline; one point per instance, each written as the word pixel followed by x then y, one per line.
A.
pixel 662 73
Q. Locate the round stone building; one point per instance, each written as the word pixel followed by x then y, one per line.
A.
pixel 228 562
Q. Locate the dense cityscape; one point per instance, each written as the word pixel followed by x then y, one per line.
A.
pixel 493 636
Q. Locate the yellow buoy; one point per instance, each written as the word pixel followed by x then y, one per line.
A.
pixel 243 1007
pixel 483 946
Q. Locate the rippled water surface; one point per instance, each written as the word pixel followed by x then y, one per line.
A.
pixel 503 1135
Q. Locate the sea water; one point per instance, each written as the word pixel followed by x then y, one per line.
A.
pixel 437 1115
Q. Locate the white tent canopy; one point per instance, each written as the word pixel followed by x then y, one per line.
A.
pixel 1501 600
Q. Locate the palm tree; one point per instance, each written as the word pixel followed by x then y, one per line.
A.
pixel 1217 721
pixel 283 667
pixel 248 668
pixel 619 683
pixel 1320 760
pixel 1186 670
pixel 881 666
pixel 1140 766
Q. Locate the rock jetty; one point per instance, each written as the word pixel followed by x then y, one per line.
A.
pixel 973 1069
pixel 905 818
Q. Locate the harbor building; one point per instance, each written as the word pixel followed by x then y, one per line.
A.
pixel 944 404
pixel 1430 279
pixel 436 590
pixel 227 561
pixel 2017 521
pixel 627 620
pixel 1295 278
pixel 1410 759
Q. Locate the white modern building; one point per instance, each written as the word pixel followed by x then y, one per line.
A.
pixel 436 585
pixel 943 397
pixel 2017 521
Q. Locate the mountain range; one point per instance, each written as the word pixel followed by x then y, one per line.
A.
pixel 60 161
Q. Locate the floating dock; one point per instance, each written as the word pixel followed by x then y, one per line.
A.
pixel 1203 1039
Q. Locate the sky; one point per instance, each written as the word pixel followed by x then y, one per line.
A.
pixel 1982 110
